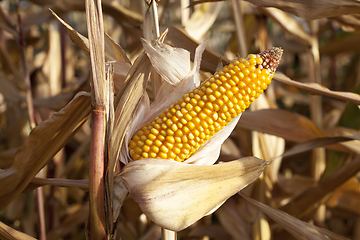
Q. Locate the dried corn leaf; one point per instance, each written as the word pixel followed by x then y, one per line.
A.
pixel 310 199
pixel 238 227
pixel 127 101
pixel 349 22
pixel 7 158
pixel 174 195
pixel 8 233
pixel 110 7
pixel 291 126
pixel 317 89
pixel 69 223
pixel 9 89
pixel 290 25
pixel 347 196
pixel 52 63
pixel 113 51
pixel 299 229
pixel 202 19
pixel 267 146
pixel 346 44
pixel 7 23
pixel 321 142
pixel 310 9
pixel 121 70
pixel 179 38
pixel 76 37
pixel 41 145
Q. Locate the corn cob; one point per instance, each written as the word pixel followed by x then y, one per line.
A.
pixel 187 124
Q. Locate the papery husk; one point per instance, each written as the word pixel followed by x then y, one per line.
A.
pixel 174 195
pixel 163 57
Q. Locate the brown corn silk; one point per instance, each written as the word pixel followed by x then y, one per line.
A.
pixel 187 124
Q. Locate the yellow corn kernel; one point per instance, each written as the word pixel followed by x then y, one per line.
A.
pixel 187 124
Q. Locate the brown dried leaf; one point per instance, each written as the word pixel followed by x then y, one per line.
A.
pixel 291 126
pixel 299 229
pixel 113 51
pixel 179 38
pixel 349 22
pixel 317 89
pixel 76 37
pixel 9 89
pixel 309 200
pixel 290 25
pixel 52 64
pixel 233 222
pixel 41 145
pixel 174 195
pixel 7 23
pixel 113 8
pixel 310 9
pixel 347 196
pixel 202 19
pixel 320 142
pixel 8 233
pixel 7 158
pixel 69 223
pixel 345 44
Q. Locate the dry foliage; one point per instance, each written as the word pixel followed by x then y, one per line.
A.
pixel 305 127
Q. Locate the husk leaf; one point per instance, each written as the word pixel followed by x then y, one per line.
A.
pixel 175 195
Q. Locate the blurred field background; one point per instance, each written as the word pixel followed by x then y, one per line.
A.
pixel 307 122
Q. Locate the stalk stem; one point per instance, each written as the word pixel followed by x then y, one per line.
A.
pixel 96 175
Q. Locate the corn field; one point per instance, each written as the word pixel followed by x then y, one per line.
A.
pixel 188 120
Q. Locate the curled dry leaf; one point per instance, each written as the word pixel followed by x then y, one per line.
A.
pixel 290 25
pixel 321 142
pixel 69 223
pixel 202 19
pixel 179 38
pixel 299 229
pixel 349 22
pixel 317 89
pixel 41 145
pixel 113 51
pixel 346 44
pixel 347 196
pixel 233 222
pixel 291 126
pixel 8 233
pixel 175 195
pixel 309 199
pixel 310 9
